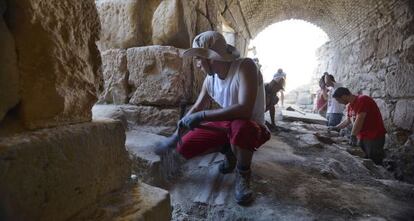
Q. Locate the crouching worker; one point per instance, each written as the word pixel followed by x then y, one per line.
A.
pixel 367 123
pixel 271 90
pixel 236 85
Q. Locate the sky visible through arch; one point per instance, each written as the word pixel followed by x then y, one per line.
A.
pixel 290 45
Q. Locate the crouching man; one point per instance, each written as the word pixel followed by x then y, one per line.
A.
pixel 236 85
pixel 368 126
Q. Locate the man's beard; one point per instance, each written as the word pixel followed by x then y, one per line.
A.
pixel 209 72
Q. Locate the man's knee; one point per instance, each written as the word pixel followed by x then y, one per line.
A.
pixel 185 150
pixel 248 134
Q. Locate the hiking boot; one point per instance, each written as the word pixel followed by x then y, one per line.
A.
pixel 229 163
pixel 243 193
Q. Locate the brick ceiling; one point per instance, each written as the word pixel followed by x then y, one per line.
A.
pixel 335 17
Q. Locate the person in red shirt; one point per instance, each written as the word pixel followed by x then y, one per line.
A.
pixel 368 126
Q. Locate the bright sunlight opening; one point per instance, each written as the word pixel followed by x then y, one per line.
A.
pixel 289 45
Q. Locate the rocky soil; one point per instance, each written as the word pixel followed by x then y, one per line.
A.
pixel 296 176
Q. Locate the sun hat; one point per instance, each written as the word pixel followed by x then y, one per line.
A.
pixel 212 45
pixel 279 75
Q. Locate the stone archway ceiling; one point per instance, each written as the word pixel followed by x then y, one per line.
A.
pixel 336 17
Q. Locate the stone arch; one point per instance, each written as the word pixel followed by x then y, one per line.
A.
pixel 337 18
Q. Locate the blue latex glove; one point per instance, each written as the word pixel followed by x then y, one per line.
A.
pixel 353 141
pixel 162 147
pixel 192 121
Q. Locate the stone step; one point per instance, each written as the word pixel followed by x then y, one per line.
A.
pixel 148 166
pixel 51 174
pixel 216 187
pixel 137 201
pixel 146 118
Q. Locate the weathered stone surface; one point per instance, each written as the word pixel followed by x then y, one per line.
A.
pixel 137 202
pixel 115 72
pixel 122 23
pixel 147 118
pixel 399 81
pixel 208 15
pixel 59 73
pixel 385 110
pixel 403 114
pixel 9 76
pixel 149 167
pixel 151 116
pixel 169 26
pixel 109 112
pixel 309 140
pixel 138 115
pixel 158 75
pixel 51 174
pixel 125 24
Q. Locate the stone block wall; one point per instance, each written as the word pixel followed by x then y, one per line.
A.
pixel 150 72
pixel 53 173
pixel 125 24
pixel 49 62
pixel 54 161
pixel 9 75
pixel 376 59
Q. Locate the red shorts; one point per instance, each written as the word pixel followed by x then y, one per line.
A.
pixel 245 134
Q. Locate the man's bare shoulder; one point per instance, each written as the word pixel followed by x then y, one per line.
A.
pixel 248 66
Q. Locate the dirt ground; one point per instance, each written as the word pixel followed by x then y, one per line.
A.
pixel 295 177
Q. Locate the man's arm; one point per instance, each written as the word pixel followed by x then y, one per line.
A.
pixel 247 96
pixel 344 123
pixel 203 100
pixel 359 122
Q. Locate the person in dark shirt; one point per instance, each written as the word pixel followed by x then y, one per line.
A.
pixel 271 90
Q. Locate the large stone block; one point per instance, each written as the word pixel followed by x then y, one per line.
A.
pixel 158 75
pixel 150 118
pixel 207 16
pixel 125 24
pixel 384 109
pixel 400 80
pixel 137 202
pixel 9 76
pixel 51 174
pixel 169 24
pixel 403 114
pixel 115 72
pixel 59 63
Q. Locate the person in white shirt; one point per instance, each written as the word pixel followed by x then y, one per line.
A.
pixel 335 110
pixel 237 86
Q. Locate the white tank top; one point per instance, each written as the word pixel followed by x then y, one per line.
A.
pixel 226 92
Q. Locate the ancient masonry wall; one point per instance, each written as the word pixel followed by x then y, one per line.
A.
pixel 141 55
pixel 377 59
pixel 54 161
